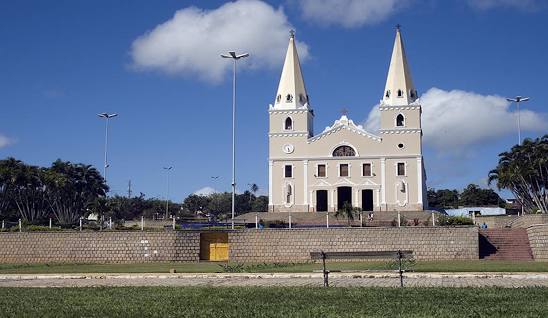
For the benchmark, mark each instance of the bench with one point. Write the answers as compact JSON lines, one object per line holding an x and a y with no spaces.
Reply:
{"x":398,"y":255}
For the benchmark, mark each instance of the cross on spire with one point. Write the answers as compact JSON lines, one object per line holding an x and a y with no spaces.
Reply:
{"x":398,"y":26}
{"x":292,"y":33}
{"x":344,"y":111}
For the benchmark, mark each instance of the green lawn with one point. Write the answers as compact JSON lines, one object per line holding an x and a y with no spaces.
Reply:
{"x":272,"y":302}
{"x":207,"y":267}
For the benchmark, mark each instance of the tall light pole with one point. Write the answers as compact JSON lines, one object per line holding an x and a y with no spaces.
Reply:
{"x":106,"y":116}
{"x":167,"y":169}
{"x":518,"y":100}
{"x":235,"y":57}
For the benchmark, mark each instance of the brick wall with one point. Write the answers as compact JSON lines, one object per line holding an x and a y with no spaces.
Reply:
{"x":529,"y":219}
{"x":495,"y":221}
{"x":99,"y":247}
{"x":295,"y":245}
{"x":538,"y":239}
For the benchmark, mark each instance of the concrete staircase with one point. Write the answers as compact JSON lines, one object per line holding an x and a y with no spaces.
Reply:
{"x":504,"y":244}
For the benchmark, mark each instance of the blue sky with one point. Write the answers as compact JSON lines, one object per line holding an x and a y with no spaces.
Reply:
{"x":63,"y":62}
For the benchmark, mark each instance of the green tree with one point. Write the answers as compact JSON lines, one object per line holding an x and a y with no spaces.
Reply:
{"x":473,"y":195}
{"x":260,"y":204}
{"x":443,"y":198}
{"x":195,"y":203}
{"x":347,"y":211}
{"x":71,"y":189}
{"x":220,"y":205}
{"x":24,"y":189}
{"x":524,"y":171}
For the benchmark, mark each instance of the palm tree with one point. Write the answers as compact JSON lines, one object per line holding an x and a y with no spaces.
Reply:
{"x":524,"y":171}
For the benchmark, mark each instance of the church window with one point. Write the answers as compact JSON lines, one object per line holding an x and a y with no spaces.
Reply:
{"x":288,"y":123}
{"x":343,"y":170}
{"x":366,"y":170}
{"x":401,"y":169}
{"x":400,"y":120}
{"x":322,"y":171}
{"x":288,"y":171}
{"x":344,"y":151}
{"x":387,"y":95}
{"x":278,"y":99}
{"x":413,"y":93}
{"x":400,"y":146}
{"x":301,"y":99}
{"x":289,"y":98}
{"x":288,"y":194}
{"x":400,"y":93}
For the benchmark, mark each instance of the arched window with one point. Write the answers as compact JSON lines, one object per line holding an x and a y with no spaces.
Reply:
{"x":289,"y":98}
{"x":302,"y":100}
{"x":344,"y":151}
{"x":288,"y":124}
{"x":387,"y":95}
{"x":278,"y":98}
{"x":400,"y":120}
{"x":289,"y":194}
{"x":400,"y":93}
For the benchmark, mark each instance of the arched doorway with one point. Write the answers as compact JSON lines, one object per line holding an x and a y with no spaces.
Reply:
{"x":344,"y":195}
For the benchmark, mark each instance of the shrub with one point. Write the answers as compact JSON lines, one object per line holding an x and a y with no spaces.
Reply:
{"x":40,"y":228}
{"x":454,"y":220}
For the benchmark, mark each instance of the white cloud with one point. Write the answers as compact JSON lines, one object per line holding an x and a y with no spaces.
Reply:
{"x":205,"y":191}
{"x":516,"y":4}
{"x":349,"y":13}
{"x":452,"y":120}
{"x":191,"y":42}
{"x":5,"y":141}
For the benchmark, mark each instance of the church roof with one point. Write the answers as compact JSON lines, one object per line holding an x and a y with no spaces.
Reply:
{"x":291,"y":90}
{"x":399,"y":89}
{"x":345,"y":123}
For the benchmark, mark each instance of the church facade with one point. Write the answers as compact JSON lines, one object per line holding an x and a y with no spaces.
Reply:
{"x":345,"y":164}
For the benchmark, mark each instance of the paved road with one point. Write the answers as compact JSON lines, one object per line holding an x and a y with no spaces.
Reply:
{"x":306,"y":279}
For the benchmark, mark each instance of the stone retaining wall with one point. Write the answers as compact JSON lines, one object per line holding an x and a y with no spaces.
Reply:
{"x":538,"y":240}
{"x":530,"y":219}
{"x":99,"y":247}
{"x":495,"y":221}
{"x":295,"y":245}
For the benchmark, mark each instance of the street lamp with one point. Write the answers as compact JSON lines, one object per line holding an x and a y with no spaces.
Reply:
{"x":518,"y":100}
{"x":167,"y":169}
{"x":232,"y":55}
{"x":106,"y":116}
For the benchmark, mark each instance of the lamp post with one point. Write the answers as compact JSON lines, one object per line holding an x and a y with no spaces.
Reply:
{"x":235,"y":57}
{"x":518,"y":100}
{"x":167,"y":169}
{"x":106,"y":116}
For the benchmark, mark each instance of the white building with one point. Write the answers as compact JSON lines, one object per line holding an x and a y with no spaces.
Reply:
{"x":344,"y":163}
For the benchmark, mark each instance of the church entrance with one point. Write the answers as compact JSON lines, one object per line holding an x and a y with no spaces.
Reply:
{"x":321,"y":201}
{"x":367,"y":200}
{"x":344,"y":194}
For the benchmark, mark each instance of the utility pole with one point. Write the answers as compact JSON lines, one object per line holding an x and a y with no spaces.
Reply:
{"x":129,"y":189}
{"x":232,"y":55}
{"x":167,"y":169}
{"x":106,"y":116}
{"x":518,"y":100}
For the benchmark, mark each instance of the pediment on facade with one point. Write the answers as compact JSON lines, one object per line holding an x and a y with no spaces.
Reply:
{"x":322,"y":183}
{"x":370,"y":183}
{"x":343,"y":182}
{"x":345,"y":124}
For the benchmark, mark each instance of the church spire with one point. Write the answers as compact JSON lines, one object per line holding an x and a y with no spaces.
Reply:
{"x":291,"y":90}
{"x":399,"y":88}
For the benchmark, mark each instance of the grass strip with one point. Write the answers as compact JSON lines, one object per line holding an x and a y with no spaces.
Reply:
{"x":273,"y":302}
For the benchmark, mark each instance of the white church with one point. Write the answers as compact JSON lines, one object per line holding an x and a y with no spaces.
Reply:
{"x":381,"y":171}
